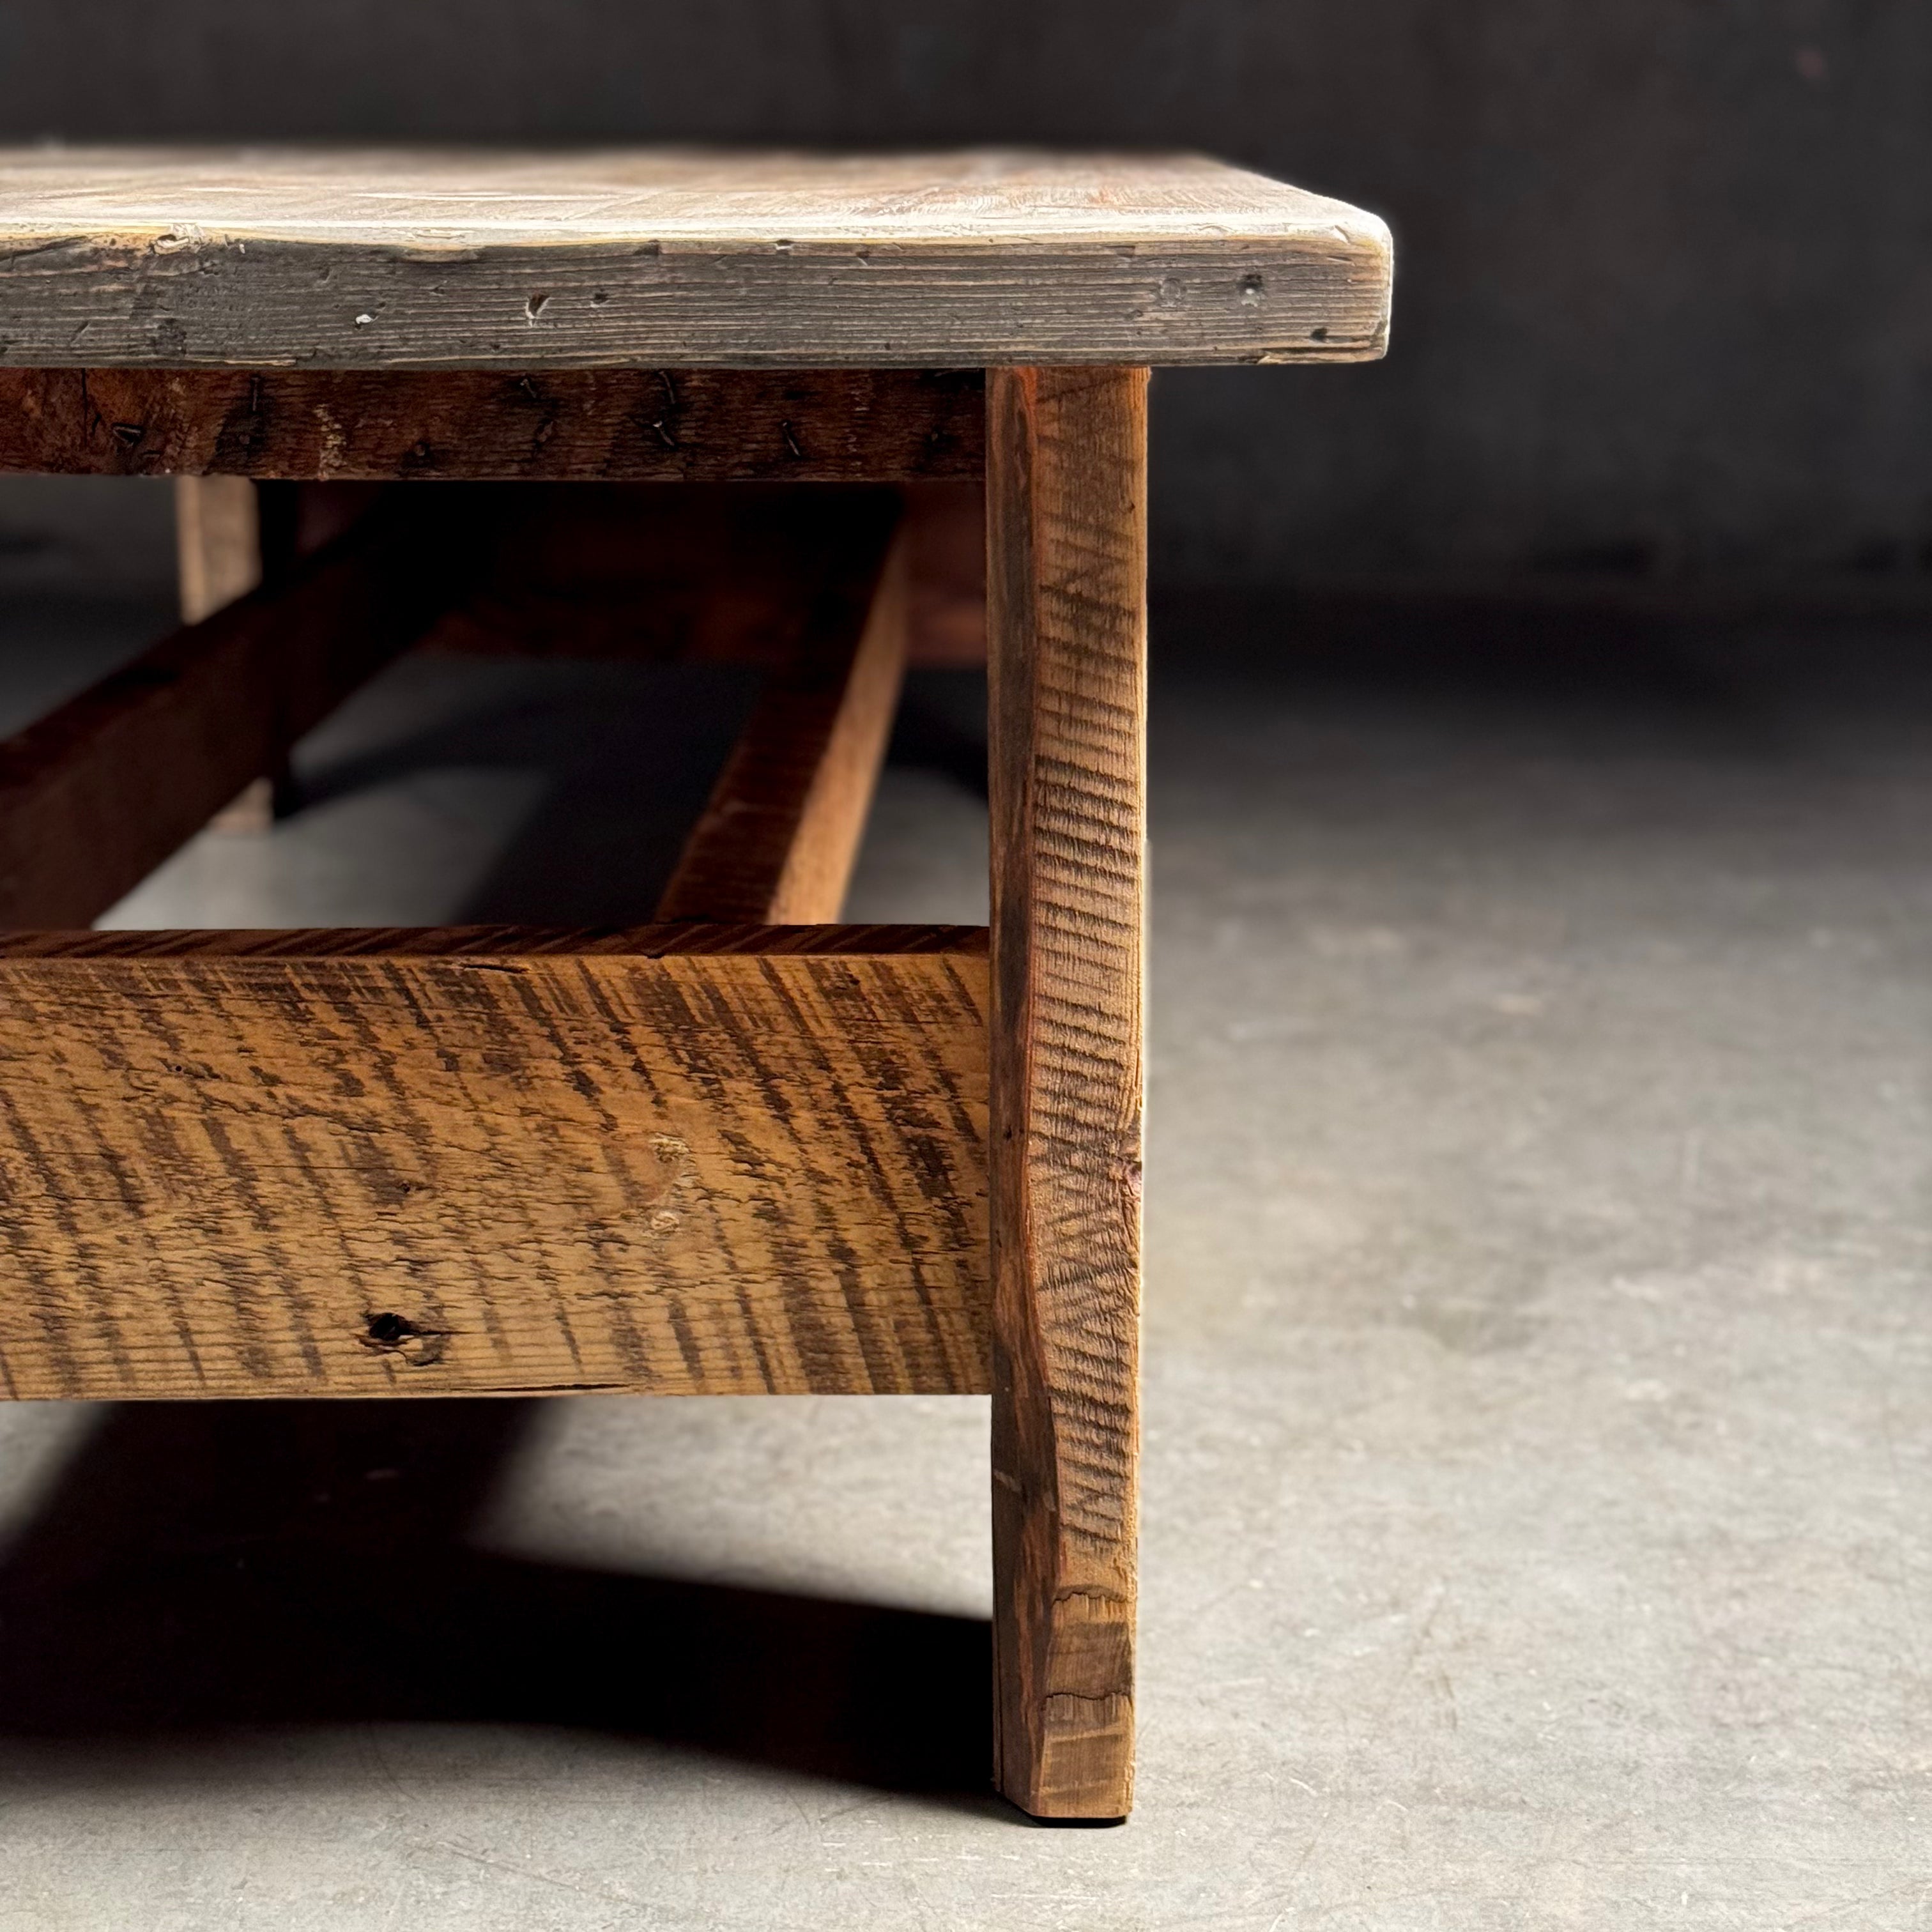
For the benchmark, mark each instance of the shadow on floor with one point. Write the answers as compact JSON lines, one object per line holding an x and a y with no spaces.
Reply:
{"x":1715,"y":671}
{"x":201,"y":1566}
{"x":628,"y":754}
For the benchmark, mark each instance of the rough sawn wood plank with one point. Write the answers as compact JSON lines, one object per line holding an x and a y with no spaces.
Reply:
{"x":1067,"y":509}
{"x":217,"y":529}
{"x":380,"y":1164}
{"x":559,"y":426}
{"x":342,"y":259}
{"x":780,"y":833}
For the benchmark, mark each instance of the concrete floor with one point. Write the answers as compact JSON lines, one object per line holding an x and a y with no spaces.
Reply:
{"x":1539,"y":1393}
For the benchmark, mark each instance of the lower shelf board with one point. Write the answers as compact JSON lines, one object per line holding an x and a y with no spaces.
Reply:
{"x":236,"y":1165}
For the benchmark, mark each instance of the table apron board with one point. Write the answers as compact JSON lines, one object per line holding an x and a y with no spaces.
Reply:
{"x":672,"y":424}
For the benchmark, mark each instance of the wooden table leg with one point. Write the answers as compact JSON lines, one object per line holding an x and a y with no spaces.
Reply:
{"x":229,"y":533}
{"x":1066,"y":463}
{"x":218,"y":542}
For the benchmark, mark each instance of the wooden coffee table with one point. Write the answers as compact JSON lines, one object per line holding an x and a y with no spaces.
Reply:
{"x":744,"y":1149}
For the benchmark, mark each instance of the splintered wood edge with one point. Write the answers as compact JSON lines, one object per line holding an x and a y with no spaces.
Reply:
{"x":658,"y":1162}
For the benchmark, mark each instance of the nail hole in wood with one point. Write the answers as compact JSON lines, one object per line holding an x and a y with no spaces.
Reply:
{"x":390,"y":1334}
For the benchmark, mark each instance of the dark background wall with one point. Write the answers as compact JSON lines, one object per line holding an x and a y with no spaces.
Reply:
{"x":1664,"y":299}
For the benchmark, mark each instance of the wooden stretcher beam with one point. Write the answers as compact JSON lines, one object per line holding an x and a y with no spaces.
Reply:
{"x":609,"y":425}
{"x":96,"y":794}
{"x":778,"y":838}
{"x":683,"y":1160}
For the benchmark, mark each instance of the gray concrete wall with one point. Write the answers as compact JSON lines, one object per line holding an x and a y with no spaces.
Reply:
{"x":1665,"y":298}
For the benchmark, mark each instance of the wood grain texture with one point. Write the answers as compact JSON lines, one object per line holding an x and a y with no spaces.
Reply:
{"x":1067,"y":630}
{"x":781,"y":833}
{"x":221,"y":555}
{"x":569,"y":426}
{"x":94,"y":796}
{"x":217,"y":537}
{"x":347,"y":259}
{"x":378,"y":1164}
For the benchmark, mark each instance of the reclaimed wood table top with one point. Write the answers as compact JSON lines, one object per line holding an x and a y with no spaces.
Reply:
{"x":426,"y":259}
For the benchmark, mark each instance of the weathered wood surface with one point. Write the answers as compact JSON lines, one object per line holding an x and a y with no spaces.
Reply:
{"x":217,"y":529}
{"x":94,"y":796}
{"x":564,"y":426}
{"x":345,"y":259}
{"x":779,"y":837}
{"x":331,"y":1164}
{"x":223,"y":549}
{"x":1066,"y":622}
